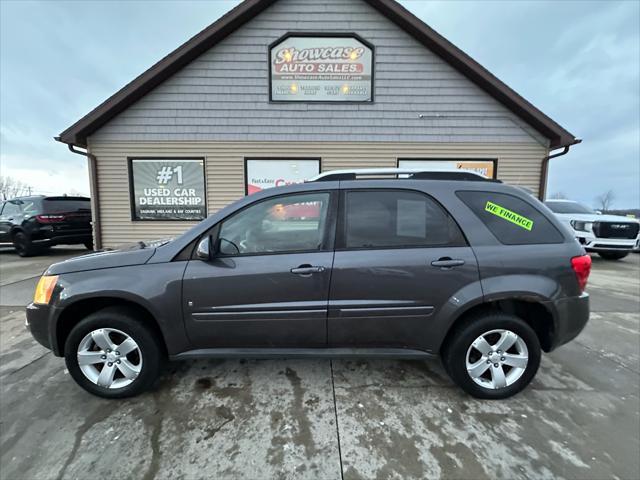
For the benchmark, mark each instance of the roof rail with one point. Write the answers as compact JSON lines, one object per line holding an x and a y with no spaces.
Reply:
{"x":412,"y":173}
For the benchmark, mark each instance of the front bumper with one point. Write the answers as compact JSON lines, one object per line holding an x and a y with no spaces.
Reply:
{"x":38,"y":323}
{"x":591,"y":243}
{"x":572,"y":315}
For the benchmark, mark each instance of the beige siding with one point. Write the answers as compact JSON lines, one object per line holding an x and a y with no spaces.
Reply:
{"x":518,"y":164}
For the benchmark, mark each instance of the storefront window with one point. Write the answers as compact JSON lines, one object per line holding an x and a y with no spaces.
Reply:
{"x":167,"y":189}
{"x":268,"y":173}
{"x":488,"y":168}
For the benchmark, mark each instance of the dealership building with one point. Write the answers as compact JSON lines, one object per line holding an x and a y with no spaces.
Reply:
{"x":277,"y":91}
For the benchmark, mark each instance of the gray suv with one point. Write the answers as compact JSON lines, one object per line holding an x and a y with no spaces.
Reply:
{"x":377,"y":263}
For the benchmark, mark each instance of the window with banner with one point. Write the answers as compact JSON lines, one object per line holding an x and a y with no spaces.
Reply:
{"x":167,"y":189}
{"x":261,"y":173}
{"x":321,"y":68}
{"x":488,"y":168}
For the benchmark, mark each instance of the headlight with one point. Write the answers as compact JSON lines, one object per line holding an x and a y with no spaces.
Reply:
{"x":44,"y":289}
{"x":581,"y":226}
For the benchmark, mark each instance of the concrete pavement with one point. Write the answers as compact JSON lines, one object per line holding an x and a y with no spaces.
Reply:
{"x":580,"y":418}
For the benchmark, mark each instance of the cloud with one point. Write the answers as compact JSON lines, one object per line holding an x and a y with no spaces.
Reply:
{"x":578,"y":61}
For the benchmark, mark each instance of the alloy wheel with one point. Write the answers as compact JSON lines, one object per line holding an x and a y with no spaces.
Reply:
{"x":109,"y":358}
{"x":497,"y":359}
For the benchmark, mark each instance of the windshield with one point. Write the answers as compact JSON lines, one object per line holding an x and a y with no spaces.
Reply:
{"x":568,"y":207}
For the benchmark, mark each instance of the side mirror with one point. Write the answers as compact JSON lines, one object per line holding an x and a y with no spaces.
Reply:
{"x":203,"y":252}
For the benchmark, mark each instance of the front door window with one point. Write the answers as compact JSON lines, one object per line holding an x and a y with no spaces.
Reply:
{"x":292,"y":223}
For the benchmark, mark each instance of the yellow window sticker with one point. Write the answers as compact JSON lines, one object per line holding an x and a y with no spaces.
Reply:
{"x":510,"y":216}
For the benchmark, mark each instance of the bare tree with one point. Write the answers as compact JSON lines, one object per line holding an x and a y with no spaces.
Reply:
{"x":604,"y":202}
{"x":558,"y":196}
{"x":10,"y":188}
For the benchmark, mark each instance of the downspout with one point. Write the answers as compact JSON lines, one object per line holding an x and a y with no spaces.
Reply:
{"x":545,"y":168}
{"x":93,"y":178}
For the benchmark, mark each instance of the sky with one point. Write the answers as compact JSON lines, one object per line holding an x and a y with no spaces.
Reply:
{"x":579,"y":62}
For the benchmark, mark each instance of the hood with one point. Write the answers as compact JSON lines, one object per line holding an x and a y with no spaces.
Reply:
{"x":136,"y":254}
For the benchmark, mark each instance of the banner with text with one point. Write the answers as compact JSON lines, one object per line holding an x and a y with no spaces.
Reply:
{"x":321,"y":69}
{"x":168,"y":189}
{"x":263,"y":174}
{"x":483,"y":167}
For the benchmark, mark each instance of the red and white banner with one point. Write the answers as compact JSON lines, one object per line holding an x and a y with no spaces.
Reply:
{"x":263,"y":174}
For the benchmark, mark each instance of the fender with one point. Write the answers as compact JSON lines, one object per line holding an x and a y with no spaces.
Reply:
{"x":527,"y":287}
{"x":531,"y":288}
{"x":162,"y":297}
{"x":460,"y":302}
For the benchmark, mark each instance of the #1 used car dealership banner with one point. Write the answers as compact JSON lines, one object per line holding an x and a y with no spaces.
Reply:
{"x":168,"y":189}
{"x":263,"y":174}
{"x":321,"y":69}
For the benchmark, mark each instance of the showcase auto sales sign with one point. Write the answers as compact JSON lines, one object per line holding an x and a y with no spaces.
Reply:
{"x":321,"y":69}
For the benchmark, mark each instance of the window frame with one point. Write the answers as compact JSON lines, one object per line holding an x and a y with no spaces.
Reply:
{"x":328,"y":237}
{"x":341,"y":238}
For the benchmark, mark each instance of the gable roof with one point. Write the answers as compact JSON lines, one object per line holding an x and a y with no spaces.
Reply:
{"x":77,"y":133}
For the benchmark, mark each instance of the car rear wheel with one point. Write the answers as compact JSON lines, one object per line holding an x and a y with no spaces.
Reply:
{"x":23,"y":245}
{"x":613,"y":255}
{"x":493,"y":355}
{"x":112,"y":354}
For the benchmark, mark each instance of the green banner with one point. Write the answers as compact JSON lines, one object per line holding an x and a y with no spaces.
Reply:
{"x":508,"y":215}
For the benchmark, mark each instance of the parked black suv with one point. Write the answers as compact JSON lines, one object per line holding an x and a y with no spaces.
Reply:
{"x":436,"y":264}
{"x":31,"y":224}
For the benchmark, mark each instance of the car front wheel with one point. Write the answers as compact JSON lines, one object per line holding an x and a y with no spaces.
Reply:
{"x":112,"y":354}
{"x":493,"y":355}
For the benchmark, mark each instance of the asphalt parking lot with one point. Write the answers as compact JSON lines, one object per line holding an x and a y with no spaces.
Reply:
{"x":252,"y":419}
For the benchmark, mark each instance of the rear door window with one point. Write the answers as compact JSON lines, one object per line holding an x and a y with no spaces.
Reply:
{"x":396,"y":218}
{"x":512,"y":220}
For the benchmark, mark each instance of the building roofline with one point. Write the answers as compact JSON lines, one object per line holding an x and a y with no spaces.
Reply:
{"x":77,"y":133}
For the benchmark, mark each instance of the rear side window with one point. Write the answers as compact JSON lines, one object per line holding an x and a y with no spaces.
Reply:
{"x":10,"y":208}
{"x":396,"y":218}
{"x":63,"y":205}
{"x":512,"y":220}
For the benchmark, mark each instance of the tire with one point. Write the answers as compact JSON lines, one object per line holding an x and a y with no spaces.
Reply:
{"x":613,"y":255}
{"x":492,"y":326}
{"x":143,"y":364}
{"x":89,"y":245}
{"x":23,"y":245}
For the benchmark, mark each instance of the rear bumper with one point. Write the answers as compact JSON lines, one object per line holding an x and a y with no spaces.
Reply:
{"x":572,"y":315}
{"x":62,"y":239}
{"x":38,"y":323}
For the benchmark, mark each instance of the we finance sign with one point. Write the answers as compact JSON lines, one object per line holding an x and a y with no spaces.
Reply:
{"x":321,"y":69}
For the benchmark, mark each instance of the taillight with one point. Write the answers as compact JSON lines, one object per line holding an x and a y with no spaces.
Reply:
{"x":49,"y":218}
{"x":582,"y":266}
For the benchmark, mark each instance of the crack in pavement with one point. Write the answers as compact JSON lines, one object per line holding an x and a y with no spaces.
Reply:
{"x":26,"y":365}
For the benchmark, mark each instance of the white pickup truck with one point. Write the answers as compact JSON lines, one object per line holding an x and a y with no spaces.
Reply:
{"x":611,"y":236}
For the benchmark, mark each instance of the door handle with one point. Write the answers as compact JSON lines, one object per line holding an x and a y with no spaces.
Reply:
{"x":307,"y":270}
{"x":446,"y":263}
